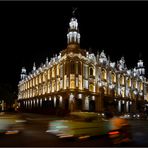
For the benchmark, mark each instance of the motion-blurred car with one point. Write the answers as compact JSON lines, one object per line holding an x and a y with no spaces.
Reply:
{"x":11,"y":124}
{"x":79,"y":125}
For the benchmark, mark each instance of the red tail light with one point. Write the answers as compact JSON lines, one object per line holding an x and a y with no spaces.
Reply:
{"x":113,"y":132}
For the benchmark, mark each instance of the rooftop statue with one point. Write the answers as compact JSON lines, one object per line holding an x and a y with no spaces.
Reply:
{"x":121,"y":64}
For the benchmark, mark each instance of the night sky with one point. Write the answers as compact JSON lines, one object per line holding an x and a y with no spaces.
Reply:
{"x":32,"y":31}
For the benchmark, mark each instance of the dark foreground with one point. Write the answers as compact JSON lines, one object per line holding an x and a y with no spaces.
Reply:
{"x":34,"y":135}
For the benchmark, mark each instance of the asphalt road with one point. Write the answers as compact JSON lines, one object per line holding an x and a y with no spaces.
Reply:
{"x":34,"y":135}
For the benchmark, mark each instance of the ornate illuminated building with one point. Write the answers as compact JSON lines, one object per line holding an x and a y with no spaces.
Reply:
{"x":78,"y":80}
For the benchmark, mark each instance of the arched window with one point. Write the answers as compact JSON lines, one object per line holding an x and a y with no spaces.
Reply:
{"x":103,"y":74}
{"x":91,"y":87}
{"x":53,"y":85}
{"x":135,"y":84}
{"x":72,"y":84}
{"x":122,"y":80}
{"x":123,"y":93}
{"x":129,"y":82}
{"x":141,"y":86}
{"x":36,"y":80}
{"x":40,"y":78}
{"x":113,"y":77}
{"x":44,"y":77}
{"x":91,"y":71}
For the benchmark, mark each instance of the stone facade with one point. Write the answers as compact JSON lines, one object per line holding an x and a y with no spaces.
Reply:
{"x":78,"y":80}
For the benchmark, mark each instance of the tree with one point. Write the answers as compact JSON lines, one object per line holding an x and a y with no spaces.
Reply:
{"x":7,"y":94}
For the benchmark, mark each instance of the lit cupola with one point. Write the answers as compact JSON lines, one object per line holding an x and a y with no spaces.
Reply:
{"x":140,"y":68}
{"x":73,"y":36}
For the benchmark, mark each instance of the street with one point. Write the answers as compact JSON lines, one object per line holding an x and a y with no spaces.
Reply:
{"x":34,"y":135}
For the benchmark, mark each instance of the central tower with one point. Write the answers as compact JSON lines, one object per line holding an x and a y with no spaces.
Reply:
{"x":73,"y":35}
{"x":73,"y":39}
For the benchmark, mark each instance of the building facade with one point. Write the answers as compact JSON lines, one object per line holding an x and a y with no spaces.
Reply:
{"x":78,"y":80}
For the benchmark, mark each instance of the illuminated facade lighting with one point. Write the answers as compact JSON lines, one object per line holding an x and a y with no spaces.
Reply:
{"x":77,"y":80}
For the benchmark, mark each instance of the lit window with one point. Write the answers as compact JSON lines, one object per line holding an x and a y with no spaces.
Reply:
{"x":53,"y":72}
{"x":113,"y":77}
{"x":141,"y":86}
{"x":44,"y":77}
{"x":40,"y":78}
{"x":103,"y":74}
{"x":76,"y":68}
{"x":91,"y":87}
{"x":129,"y":82}
{"x":58,"y":84}
{"x":72,"y":81}
{"x":135,"y":84}
{"x":57,"y":70}
{"x":80,"y":82}
{"x":36,"y":80}
{"x":122,"y":80}
{"x":48,"y":74}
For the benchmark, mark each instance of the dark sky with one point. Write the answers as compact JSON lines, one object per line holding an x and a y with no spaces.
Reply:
{"x":32,"y":31}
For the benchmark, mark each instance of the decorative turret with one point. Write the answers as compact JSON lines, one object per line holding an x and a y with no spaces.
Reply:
{"x":121,"y":64}
{"x":103,"y":58}
{"x":23,"y":73}
{"x":73,"y":36}
{"x":140,"y":68}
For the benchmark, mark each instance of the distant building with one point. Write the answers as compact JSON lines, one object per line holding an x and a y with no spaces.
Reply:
{"x":78,"y":80}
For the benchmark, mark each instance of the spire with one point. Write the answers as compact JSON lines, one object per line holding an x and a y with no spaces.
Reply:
{"x":140,"y":67}
{"x":46,"y":60}
{"x":34,"y":67}
{"x":74,"y":11}
{"x":73,"y":36}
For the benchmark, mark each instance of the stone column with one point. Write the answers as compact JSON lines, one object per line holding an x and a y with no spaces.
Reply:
{"x":127,"y":106}
{"x":54,"y":101}
{"x":86,"y":103}
{"x":119,"y":105}
{"x":71,"y":102}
